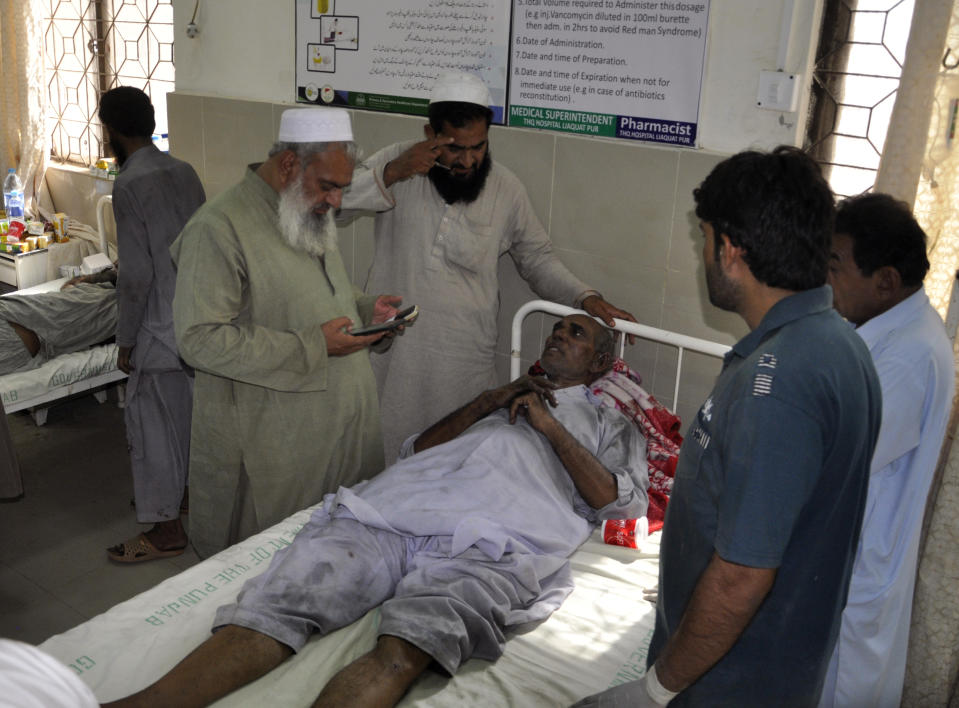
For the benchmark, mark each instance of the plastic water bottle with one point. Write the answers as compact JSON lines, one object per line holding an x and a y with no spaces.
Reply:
{"x":13,"y":195}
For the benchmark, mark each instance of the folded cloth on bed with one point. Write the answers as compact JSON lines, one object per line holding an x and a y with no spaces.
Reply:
{"x":620,"y":388}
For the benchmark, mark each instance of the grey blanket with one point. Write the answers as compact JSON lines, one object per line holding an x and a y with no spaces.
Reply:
{"x":64,"y":320}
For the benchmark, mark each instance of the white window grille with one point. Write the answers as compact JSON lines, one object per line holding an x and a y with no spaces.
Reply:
{"x":92,"y":46}
{"x":858,"y":66}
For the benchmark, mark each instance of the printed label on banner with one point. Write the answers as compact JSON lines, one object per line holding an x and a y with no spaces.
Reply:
{"x":383,"y":102}
{"x":582,"y":122}
{"x":604,"y":125}
{"x":674,"y":132}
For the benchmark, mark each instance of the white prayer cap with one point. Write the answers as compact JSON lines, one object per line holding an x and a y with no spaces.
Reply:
{"x":315,"y":125}
{"x":457,"y":86}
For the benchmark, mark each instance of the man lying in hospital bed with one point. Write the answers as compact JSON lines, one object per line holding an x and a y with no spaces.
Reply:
{"x":467,"y":534}
{"x":37,"y":327}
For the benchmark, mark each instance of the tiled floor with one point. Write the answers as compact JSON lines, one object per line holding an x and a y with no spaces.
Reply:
{"x":54,"y":571}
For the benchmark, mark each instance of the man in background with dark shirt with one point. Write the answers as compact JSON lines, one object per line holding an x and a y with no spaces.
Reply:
{"x":153,"y":197}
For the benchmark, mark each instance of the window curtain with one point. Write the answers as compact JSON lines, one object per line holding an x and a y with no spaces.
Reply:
{"x":920,"y":164}
{"x":24,"y":141}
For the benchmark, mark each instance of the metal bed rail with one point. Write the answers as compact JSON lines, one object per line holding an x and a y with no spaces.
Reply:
{"x":682,"y":342}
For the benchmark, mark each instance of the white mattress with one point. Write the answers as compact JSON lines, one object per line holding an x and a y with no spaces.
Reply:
{"x":46,"y":287}
{"x":22,"y":388}
{"x":598,"y":638}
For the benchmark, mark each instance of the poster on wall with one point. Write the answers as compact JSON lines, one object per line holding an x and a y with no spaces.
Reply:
{"x":609,"y":68}
{"x":385,"y":55}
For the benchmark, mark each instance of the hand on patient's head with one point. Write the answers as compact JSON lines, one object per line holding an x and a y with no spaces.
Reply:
{"x":598,"y":307}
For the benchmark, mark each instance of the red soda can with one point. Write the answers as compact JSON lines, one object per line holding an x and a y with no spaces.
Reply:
{"x":629,"y":533}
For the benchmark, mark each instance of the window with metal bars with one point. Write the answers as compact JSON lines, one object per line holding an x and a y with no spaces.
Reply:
{"x":92,"y":46}
{"x":856,"y":78}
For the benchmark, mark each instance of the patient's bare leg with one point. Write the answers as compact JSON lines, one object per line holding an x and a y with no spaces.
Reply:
{"x":231,"y":658}
{"x":379,"y":678}
{"x":30,"y":339}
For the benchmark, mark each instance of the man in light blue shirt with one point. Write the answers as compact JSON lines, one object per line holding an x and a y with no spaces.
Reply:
{"x":877,"y":266}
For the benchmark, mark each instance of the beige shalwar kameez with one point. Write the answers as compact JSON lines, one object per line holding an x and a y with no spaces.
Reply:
{"x":276,"y":423}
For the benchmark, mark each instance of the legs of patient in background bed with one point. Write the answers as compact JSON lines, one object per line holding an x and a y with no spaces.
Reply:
{"x":30,"y":339}
{"x":378,"y":678}
{"x":230,"y":659}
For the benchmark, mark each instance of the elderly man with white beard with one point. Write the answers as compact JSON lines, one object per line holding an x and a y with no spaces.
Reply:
{"x":285,"y":406}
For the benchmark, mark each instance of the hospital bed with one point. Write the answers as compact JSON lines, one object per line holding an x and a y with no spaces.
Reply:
{"x":92,"y":369}
{"x":598,"y":638}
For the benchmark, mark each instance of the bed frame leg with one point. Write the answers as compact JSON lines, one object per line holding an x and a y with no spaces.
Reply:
{"x":101,"y":396}
{"x":39,"y":415}
{"x":121,"y":395}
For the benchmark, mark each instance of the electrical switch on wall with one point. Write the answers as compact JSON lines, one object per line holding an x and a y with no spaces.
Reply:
{"x":778,"y":91}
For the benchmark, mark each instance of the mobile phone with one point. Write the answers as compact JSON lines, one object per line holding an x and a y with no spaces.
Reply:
{"x":404,"y":317}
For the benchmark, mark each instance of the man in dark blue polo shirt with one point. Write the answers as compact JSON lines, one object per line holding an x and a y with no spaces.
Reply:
{"x":764,"y":518}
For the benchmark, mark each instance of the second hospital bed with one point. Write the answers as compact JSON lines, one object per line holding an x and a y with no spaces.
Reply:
{"x":91,"y":369}
{"x":598,"y":638}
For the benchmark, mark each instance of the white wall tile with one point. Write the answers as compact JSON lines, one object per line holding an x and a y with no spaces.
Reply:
{"x":184,"y":114}
{"x":711,"y":323}
{"x":614,"y":200}
{"x":373,"y":130}
{"x":235,"y":134}
{"x":513,"y":293}
{"x":529,"y":154}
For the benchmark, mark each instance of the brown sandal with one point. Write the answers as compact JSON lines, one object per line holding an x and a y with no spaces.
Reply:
{"x":139,"y":549}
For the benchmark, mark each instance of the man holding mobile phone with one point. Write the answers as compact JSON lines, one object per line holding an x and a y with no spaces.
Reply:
{"x":285,"y":406}
{"x":390,"y":326}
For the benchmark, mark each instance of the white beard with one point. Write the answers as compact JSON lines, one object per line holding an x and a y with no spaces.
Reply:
{"x":302,"y":229}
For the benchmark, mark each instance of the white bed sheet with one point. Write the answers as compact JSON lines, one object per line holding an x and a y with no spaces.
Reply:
{"x":598,"y":638}
{"x":63,"y":375}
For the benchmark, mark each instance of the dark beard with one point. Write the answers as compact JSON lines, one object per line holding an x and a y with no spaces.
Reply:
{"x":461,"y":189}
{"x":723,"y":292}
{"x":119,"y":153}
{"x":113,"y":146}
